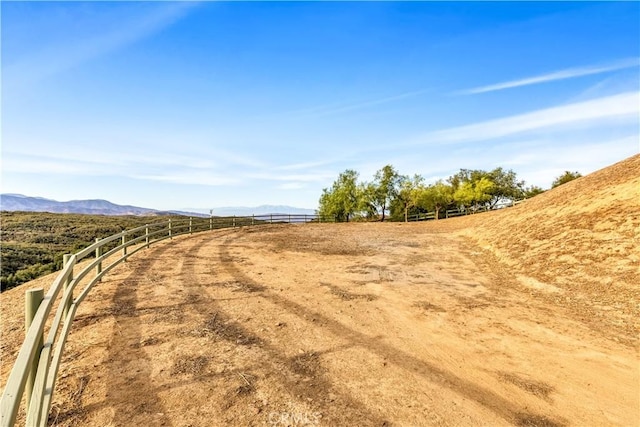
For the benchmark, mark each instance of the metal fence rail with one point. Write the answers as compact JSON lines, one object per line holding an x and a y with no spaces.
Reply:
{"x":38,"y":360}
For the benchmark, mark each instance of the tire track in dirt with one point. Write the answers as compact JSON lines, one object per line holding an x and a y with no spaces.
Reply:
{"x":124,"y":347}
{"x":504,"y":408}
{"x":315,"y":389}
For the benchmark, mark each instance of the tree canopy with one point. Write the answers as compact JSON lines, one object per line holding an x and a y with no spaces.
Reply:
{"x":397,"y":196}
{"x":564,"y":178}
{"x":437,"y":197}
{"x":386,"y":188}
{"x":341,"y":201}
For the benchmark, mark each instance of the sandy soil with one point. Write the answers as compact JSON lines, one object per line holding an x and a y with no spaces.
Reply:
{"x":451,"y":322}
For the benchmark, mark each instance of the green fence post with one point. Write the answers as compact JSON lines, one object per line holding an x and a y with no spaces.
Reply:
{"x":65,"y":260}
{"x":32,"y":300}
{"x":98,"y":255}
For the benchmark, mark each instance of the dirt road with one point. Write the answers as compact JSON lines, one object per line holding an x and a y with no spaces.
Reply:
{"x":347,"y":324}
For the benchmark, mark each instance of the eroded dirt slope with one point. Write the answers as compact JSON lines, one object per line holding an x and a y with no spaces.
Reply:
{"x":578,"y":245}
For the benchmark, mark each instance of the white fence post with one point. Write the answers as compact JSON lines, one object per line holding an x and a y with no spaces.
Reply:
{"x":190,"y":225}
{"x":146,"y":233}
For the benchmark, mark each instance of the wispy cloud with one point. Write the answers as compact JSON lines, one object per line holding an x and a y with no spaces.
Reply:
{"x":306,"y":177}
{"x":556,"y":75}
{"x":624,"y":107}
{"x":159,"y":168}
{"x":337,"y":108}
{"x":371,"y":103}
{"x":291,"y":186}
{"x":135,"y":158}
{"x":54,"y":59}
{"x":190,"y":177}
{"x":42,"y":165}
{"x":304,"y":165}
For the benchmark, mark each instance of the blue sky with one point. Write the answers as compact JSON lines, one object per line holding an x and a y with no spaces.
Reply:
{"x":199,"y":105}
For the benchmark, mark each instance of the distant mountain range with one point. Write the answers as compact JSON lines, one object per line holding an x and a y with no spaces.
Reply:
{"x":258,"y":210}
{"x":19,"y":202}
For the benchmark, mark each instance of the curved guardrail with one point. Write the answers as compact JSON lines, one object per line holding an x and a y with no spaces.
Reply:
{"x":38,"y":360}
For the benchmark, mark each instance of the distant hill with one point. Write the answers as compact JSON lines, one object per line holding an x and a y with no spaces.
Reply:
{"x":258,"y":210}
{"x":19,"y":202}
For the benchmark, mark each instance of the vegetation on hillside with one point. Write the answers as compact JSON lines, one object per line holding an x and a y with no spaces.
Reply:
{"x":401,"y":196}
{"x":33,"y":243}
{"x":565,"y":177}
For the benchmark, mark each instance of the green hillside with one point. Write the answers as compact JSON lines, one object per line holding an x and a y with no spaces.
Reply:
{"x":33,"y":243}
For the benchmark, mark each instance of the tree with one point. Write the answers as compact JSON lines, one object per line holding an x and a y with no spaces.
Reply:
{"x":386,"y":187}
{"x":409,"y":194}
{"x":506,"y":186}
{"x":505,"y":183}
{"x":341,"y":200}
{"x":436,"y":197}
{"x":465,"y":175}
{"x":473,"y":193}
{"x":564,"y":178}
{"x":531,"y":191}
{"x":366,"y":200}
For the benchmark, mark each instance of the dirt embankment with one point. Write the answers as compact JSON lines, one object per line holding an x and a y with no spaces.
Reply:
{"x":577,"y":245}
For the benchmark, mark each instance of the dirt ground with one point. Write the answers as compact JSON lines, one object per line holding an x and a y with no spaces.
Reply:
{"x":447,"y":323}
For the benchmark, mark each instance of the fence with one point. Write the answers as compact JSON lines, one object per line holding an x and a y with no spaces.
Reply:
{"x":451,"y":213}
{"x":36,"y":366}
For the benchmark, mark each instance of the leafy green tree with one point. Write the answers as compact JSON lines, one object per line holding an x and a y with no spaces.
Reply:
{"x":506,"y":186}
{"x":531,"y":191}
{"x":564,"y":178}
{"x":387,"y":185}
{"x":341,"y":200}
{"x":473,"y":193}
{"x":367,"y":200}
{"x":408,"y":197}
{"x":465,"y":175}
{"x":436,"y":197}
